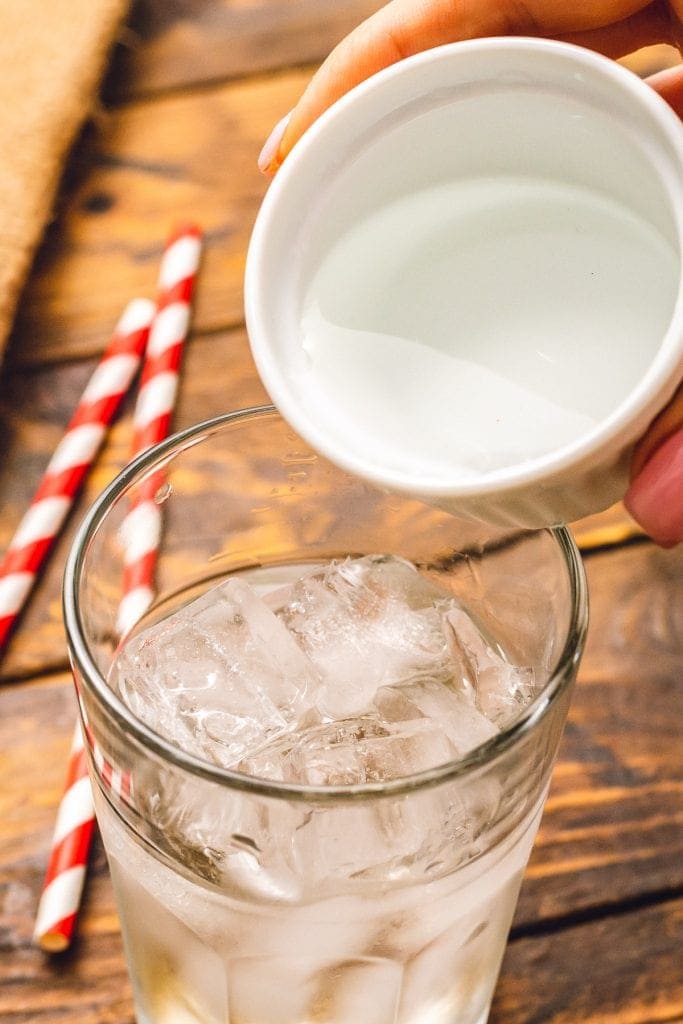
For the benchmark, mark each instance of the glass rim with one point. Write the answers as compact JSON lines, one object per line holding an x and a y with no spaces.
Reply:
{"x":481,"y":756}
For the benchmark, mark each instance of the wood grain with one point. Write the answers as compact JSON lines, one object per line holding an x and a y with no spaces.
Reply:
{"x":193,"y":42}
{"x":619,"y":968}
{"x":187,"y":43}
{"x":606,"y":529}
{"x":619,"y":779}
{"x":218,"y":375}
{"x":599,"y":923}
{"x":612,"y":827}
{"x":151,"y":164}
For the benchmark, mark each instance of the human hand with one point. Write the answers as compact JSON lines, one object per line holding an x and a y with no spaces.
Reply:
{"x":612,"y":27}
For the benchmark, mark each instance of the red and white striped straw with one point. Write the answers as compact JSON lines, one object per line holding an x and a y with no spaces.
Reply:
{"x":63,"y":477}
{"x":61,"y":897}
{"x":141,"y":529}
{"x":72,"y":459}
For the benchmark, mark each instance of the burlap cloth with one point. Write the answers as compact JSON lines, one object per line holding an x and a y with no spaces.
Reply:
{"x":52,"y":53}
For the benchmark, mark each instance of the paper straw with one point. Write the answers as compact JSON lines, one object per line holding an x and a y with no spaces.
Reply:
{"x":61,"y":897}
{"x":72,"y":459}
{"x":141,"y":529}
{"x":111,"y":380}
{"x":141,"y":532}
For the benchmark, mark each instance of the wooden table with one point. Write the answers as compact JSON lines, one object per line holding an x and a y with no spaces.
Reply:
{"x":194,"y":89}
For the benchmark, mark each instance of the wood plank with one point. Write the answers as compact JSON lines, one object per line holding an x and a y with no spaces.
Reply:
{"x":192,"y":42}
{"x":610,"y":826}
{"x":636,"y":616}
{"x":218,"y":375}
{"x":151,"y":164}
{"x":612,"y":797}
{"x":622,"y":968}
{"x":148,"y":164}
{"x":195,"y":42}
{"x":611,"y":831}
{"x":606,"y":529}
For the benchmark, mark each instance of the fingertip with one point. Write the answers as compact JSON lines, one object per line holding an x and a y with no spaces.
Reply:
{"x":669,"y":85}
{"x":270,"y":157}
{"x":655,"y":497}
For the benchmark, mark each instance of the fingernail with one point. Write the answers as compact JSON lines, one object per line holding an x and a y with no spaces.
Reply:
{"x":267,"y":160}
{"x":655,"y":498}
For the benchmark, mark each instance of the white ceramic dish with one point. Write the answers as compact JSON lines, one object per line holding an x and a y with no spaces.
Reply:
{"x":411,"y":125}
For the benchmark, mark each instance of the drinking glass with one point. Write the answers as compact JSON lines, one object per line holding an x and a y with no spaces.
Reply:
{"x":264,"y":902}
